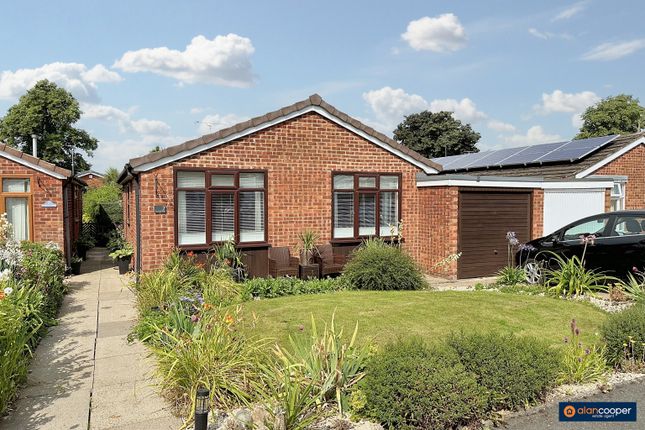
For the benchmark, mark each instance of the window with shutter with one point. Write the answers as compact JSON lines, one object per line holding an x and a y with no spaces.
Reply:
{"x":365,"y":204}
{"x":230,"y":207}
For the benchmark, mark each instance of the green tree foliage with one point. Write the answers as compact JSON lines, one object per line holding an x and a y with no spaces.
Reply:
{"x":105,"y":198}
{"x":50,"y":112}
{"x":436,"y":134}
{"x":619,"y":114}
{"x":111,"y":175}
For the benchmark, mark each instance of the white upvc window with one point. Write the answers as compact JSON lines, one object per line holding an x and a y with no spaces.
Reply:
{"x":618,"y":196}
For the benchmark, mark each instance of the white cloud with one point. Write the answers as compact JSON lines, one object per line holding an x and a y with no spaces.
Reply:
{"x":500,"y":126}
{"x":443,"y":33}
{"x":533,"y":136}
{"x":537,"y":33}
{"x":124,"y":120}
{"x":464,"y":109}
{"x":115,"y":153}
{"x":225,"y":60}
{"x":196,"y":110}
{"x":215,"y":122}
{"x":390,"y":105}
{"x":560,"y":102}
{"x":570,"y":11}
{"x":74,"y":77}
{"x":614,"y":50}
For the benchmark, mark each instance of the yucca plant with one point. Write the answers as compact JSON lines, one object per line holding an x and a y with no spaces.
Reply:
{"x":307,"y":245}
{"x":634,"y":288}
{"x":571,"y":278}
{"x":332,"y":364}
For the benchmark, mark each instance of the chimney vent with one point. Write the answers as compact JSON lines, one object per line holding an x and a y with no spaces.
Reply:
{"x":34,"y":145}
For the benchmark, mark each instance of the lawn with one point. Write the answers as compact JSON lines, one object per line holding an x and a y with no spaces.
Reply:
{"x":384,"y":316}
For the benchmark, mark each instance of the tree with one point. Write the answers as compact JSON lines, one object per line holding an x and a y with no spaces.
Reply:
{"x":436,"y":134}
{"x":111,"y":175}
{"x":614,"y":115}
{"x":49,"y":112}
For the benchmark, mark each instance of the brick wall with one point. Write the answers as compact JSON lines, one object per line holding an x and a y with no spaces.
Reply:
{"x":438,"y":232}
{"x":632,"y":165}
{"x":537,"y":217}
{"x":48,"y":224}
{"x":299,"y":156}
{"x":93,"y":181}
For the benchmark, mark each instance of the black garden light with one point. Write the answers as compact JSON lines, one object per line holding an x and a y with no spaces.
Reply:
{"x":201,"y":409}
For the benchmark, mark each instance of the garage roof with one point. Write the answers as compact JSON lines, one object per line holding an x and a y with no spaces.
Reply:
{"x":559,"y":169}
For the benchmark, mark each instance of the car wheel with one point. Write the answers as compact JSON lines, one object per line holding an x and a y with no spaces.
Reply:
{"x":534,"y":272}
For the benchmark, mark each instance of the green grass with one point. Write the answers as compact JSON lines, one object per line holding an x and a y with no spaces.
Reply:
{"x":386,"y":315}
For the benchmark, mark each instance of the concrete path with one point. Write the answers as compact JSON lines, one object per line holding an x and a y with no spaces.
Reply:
{"x":84,"y":374}
{"x":548,"y":418}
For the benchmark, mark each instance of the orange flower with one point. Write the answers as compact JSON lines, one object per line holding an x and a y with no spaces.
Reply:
{"x":208,"y":306}
{"x":229,"y":319}
{"x":190,"y":254}
{"x":1,"y":294}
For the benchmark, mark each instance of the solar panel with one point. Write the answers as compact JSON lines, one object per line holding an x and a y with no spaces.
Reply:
{"x":576,"y":149}
{"x":531,"y":153}
{"x":462,"y":161}
{"x":495,"y":157}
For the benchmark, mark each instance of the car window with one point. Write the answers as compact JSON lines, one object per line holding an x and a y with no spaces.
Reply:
{"x":629,"y":225}
{"x":594,"y":226}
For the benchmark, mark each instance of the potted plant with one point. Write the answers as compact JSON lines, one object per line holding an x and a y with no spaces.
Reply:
{"x":123,"y":256}
{"x":307,"y":248}
{"x":83,"y":244}
{"x":76,"y":265}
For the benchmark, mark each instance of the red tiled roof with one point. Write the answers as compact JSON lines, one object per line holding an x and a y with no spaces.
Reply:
{"x":44,"y":165}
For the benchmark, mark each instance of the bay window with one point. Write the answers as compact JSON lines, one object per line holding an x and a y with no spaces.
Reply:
{"x":216,"y":206}
{"x":365,"y":204}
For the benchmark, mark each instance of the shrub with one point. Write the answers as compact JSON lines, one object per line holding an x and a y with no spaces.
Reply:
{"x":376,"y":265}
{"x":157,"y":290}
{"x":107,"y":197}
{"x":409,"y":385}
{"x":267,"y":288}
{"x":514,"y":370}
{"x":624,"y":336}
{"x":43,"y":268}
{"x":218,"y":287}
{"x":510,"y":276}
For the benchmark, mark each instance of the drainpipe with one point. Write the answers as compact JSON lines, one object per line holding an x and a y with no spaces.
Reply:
{"x":137,"y":208}
{"x":34,"y":145}
{"x":66,"y":223}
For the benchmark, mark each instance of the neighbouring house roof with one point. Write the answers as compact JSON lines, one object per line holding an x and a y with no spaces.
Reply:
{"x":89,"y":172}
{"x":564,"y":169}
{"x":32,"y":162}
{"x":312,"y":104}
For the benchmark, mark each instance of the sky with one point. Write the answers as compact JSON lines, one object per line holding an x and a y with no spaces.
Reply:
{"x":150,"y":73}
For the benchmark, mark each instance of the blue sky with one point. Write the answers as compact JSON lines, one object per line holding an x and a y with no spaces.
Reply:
{"x":159,"y":72}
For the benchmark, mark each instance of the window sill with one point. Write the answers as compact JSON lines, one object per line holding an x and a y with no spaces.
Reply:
{"x":361,"y":239}
{"x":248,"y":245}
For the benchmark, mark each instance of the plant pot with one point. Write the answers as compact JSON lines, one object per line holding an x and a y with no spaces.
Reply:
{"x":81,"y":251}
{"x":76,"y":268}
{"x":124,"y":265}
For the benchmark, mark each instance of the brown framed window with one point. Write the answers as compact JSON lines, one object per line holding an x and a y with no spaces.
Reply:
{"x":218,"y":205}
{"x":365,"y":204}
{"x":16,"y":202}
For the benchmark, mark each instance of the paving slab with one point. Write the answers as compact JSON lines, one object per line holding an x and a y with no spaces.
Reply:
{"x":85,"y":374}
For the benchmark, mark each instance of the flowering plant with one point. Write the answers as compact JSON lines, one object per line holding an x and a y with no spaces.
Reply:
{"x":581,"y":364}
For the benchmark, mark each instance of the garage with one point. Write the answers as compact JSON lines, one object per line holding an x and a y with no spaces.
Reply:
{"x":565,"y":205}
{"x":485,"y":216}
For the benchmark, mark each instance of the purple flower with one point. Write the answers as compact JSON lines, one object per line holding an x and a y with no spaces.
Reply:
{"x":527,"y":247}
{"x":194,"y":318}
{"x":588,"y":239}
{"x":587,"y":351}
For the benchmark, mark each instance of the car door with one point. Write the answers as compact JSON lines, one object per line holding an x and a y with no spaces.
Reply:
{"x":571,"y":242}
{"x":624,"y":246}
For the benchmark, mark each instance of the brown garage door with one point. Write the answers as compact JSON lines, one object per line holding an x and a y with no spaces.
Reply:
{"x":484,"y":219}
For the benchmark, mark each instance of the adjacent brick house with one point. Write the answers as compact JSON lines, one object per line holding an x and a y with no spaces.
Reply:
{"x":43,"y":202}
{"x":309,"y":166}
{"x":91,"y":178}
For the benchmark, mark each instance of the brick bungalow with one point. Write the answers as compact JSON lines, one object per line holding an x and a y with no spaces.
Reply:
{"x":91,"y":178}
{"x":310,"y":166}
{"x":43,"y":202}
